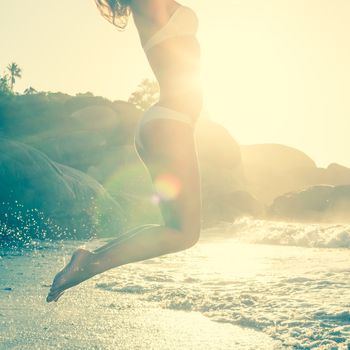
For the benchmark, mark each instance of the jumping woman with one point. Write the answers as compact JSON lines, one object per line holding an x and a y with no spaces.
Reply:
{"x":164,"y":140}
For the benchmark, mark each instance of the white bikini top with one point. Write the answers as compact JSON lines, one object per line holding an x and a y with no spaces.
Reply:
{"x":183,"y":21}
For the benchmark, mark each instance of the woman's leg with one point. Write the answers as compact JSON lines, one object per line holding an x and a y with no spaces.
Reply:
{"x":123,"y":236}
{"x":170,"y":152}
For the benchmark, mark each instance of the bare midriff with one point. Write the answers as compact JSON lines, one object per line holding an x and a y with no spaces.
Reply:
{"x":176,"y":65}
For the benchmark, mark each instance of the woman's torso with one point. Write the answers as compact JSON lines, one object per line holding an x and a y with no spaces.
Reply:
{"x":175,"y":63}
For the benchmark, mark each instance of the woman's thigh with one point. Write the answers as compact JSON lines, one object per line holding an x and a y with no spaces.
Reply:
{"x":170,"y":155}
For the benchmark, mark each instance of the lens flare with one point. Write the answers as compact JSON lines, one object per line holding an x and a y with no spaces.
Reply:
{"x":167,"y":186}
{"x":155,"y":199}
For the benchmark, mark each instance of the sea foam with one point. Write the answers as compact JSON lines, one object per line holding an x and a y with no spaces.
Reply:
{"x":285,"y":233}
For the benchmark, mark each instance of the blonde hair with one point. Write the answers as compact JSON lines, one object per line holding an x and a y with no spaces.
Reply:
{"x":116,"y":12}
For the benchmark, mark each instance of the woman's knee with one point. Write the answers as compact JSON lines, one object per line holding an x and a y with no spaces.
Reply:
{"x":191,"y":236}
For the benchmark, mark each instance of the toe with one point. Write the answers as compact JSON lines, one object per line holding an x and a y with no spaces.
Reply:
{"x":58,"y":296}
{"x":53,"y":296}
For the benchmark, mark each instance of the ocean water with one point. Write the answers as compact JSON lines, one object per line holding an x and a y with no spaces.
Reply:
{"x":289,"y":281}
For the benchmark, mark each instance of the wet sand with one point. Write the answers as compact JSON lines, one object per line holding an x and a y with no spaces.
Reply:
{"x":87,"y":317}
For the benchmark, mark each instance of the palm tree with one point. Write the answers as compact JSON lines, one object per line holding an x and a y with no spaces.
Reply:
{"x":30,"y":91}
{"x":4,"y":86}
{"x":15,"y":72}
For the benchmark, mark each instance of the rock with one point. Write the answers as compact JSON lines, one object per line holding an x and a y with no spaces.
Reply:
{"x":77,"y":149}
{"x":324,"y":203}
{"x":336,"y":174}
{"x":41,"y":198}
{"x":222,"y":172}
{"x":272,"y":170}
{"x":218,"y":148}
{"x":127,"y":110}
{"x":220,"y":159}
{"x":96,"y":117}
{"x":129,"y":116}
{"x":230,"y":206}
{"x":339,"y":204}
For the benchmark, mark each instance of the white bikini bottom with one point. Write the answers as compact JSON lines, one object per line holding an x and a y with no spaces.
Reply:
{"x":160,"y":112}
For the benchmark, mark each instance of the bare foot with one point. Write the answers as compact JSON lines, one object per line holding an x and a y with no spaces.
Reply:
{"x":75,"y":272}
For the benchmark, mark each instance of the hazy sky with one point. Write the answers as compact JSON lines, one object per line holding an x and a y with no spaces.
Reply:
{"x":274,"y":71}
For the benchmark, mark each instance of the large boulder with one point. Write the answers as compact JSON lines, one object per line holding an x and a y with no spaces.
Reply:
{"x":96,"y":117}
{"x":76,"y":131}
{"x":230,"y":206}
{"x":219,"y":157}
{"x":273,"y":169}
{"x":337,"y":174}
{"x":87,"y":133}
{"x":129,"y":116}
{"x":334,"y":174}
{"x":66,"y":202}
{"x":317,"y":203}
{"x":78,"y":148}
{"x":222,"y":172}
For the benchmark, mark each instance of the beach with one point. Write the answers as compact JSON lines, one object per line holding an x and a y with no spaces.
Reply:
{"x":231,"y":291}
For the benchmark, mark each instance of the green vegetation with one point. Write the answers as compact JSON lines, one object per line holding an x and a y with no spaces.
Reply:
{"x":147,"y":93}
{"x":15,"y":72}
{"x":8,"y":80}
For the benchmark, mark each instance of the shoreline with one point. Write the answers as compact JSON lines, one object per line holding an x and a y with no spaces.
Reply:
{"x":88,"y":317}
